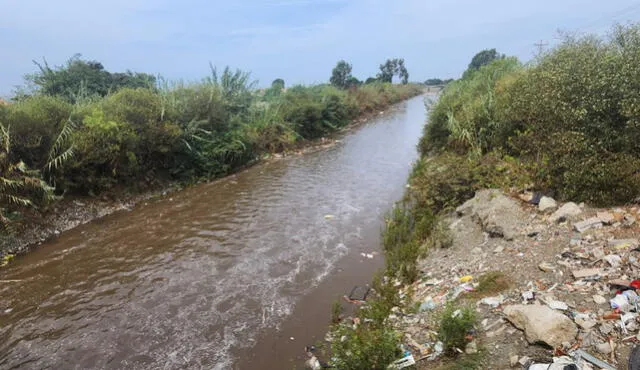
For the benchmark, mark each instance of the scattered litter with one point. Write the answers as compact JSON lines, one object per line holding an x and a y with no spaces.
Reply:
{"x":493,"y":301}
{"x":428,"y":304}
{"x":614,"y":260}
{"x":580,"y":354}
{"x":329,"y":217}
{"x":8,"y":310}
{"x":529,"y":295}
{"x":466,"y":279}
{"x":292,"y":338}
{"x":404,"y":362}
{"x":367,"y":255}
{"x":546,"y":266}
{"x":583,"y":273}
{"x":557,"y":305}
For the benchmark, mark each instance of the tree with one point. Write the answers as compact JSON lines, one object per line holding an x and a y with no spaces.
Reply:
{"x":434,"y":82}
{"x":484,"y":57}
{"x":277,"y":86}
{"x":80,"y":78}
{"x":353,"y":82}
{"x":391,"y":68}
{"x":371,"y":80}
{"x":278,"y":83}
{"x":341,"y":75}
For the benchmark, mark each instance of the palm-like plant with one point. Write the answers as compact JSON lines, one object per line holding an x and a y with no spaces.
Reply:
{"x":21,"y":187}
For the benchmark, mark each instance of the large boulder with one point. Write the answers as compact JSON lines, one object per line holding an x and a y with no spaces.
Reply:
{"x":541,"y":324}
{"x":498,"y":214}
{"x":568,"y":211}
{"x":547,"y":204}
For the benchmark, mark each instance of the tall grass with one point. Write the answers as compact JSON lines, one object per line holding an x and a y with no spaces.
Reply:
{"x":133,"y":138}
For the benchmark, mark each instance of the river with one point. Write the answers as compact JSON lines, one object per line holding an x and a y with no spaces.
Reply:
{"x":238,"y":273}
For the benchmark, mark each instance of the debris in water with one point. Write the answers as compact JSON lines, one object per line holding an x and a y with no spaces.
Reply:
{"x":358,"y":294}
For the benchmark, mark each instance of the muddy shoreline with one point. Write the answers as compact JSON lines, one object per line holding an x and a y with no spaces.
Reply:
{"x":75,"y":211}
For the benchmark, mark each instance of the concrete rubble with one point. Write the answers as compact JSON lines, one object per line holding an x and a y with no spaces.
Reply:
{"x":572,"y":277}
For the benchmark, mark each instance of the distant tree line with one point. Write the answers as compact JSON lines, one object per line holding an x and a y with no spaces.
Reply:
{"x":342,"y":78}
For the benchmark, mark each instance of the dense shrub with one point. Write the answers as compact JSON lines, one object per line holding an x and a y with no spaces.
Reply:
{"x":572,"y":117}
{"x":33,"y":124}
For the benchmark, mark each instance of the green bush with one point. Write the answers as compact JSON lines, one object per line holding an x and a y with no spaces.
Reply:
{"x":33,"y":125}
{"x":365,"y":348}
{"x":572,"y":117}
{"x":455,"y":324}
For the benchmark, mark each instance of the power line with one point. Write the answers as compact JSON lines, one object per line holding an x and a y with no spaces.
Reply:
{"x":540,"y":45}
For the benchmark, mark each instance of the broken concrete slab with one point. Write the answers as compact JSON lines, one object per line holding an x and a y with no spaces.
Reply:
{"x":590,"y":223}
{"x":541,"y":324}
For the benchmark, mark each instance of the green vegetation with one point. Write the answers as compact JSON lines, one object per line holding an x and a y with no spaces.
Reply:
{"x":456,"y":324}
{"x":341,"y":76}
{"x":489,"y":284}
{"x":483,"y":58}
{"x":393,"y":67}
{"x":437,"y":81}
{"x":88,"y":131}
{"x":568,"y":122}
{"x":570,"y":118}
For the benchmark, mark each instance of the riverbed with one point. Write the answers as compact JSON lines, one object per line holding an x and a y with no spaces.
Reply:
{"x":235,"y":274}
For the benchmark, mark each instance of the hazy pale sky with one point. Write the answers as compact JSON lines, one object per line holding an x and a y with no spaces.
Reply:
{"x":298,"y":40}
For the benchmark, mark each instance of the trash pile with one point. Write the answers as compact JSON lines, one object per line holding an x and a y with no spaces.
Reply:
{"x":575,"y":286}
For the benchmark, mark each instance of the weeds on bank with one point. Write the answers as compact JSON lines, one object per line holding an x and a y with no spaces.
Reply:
{"x":489,"y":284}
{"x":457,"y":323}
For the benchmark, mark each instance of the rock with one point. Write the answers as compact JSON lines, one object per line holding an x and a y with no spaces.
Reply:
{"x":471,"y":348}
{"x":547,"y":204}
{"x":606,"y":218}
{"x":629,"y":220}
{"x":599,"y":299}
{"x":546,"y":266}
{"x":582,"y":226}
{"x":541,"y":324}
{"x":567,"y":212}
{"x":497,"y":214}
{"x":513,"y":360}
{"x":498,"y":249}
{"x":586,"y":324}
{"x":476,"y":250}
{"x":604,"y":348}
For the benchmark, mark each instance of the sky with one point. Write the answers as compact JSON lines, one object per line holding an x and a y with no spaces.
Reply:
{"x":297,"y":40}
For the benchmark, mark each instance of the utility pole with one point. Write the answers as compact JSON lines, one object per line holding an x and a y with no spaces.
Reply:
{"x":540,"y":45}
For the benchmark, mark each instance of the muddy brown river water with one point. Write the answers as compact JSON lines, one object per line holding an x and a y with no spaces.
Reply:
{"x":235,"y":274}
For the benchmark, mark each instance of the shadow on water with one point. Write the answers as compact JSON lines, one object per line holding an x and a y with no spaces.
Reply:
{"x":220,"y":275}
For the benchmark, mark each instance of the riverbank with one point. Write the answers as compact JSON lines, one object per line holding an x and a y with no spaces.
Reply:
{"x":73,"y":211}
{"x":456,"y":251}
{"x":218,"y":274}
